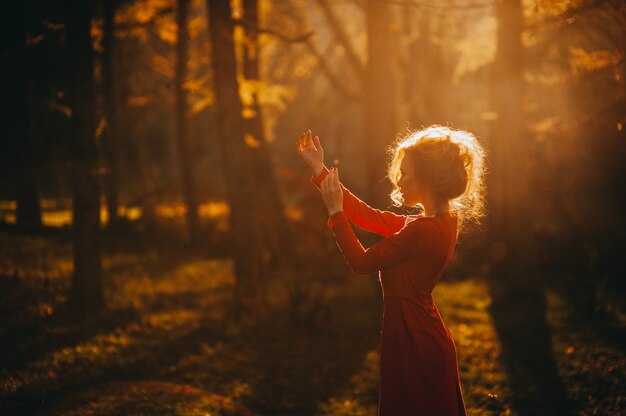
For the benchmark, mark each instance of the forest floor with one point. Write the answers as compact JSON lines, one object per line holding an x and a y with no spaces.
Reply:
{"x":164,"y":347}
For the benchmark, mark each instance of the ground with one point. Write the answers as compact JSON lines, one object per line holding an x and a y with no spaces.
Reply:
{"x":164,"y":347}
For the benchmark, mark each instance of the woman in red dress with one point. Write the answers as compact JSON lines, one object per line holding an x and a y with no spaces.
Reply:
{"x":440,"y":171}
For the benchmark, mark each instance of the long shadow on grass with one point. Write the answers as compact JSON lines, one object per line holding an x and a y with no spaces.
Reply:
{"x":519,"y":316}
{"x":287,"y":370}
{"x":30,"y":342}
{"x":27,"y":336}
{"x":300,"y":369}
{"x":35,"y":337}
{"x":275,"y":367}
{"x":139,"y":364}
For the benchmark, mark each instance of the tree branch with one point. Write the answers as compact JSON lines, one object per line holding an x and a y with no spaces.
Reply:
{"x":437,"y":7}
{"x":250,"y":26}
{"x":566,"y":17}
{"x":305,"y":38}
{"x":329,"y":73}
{"x":163,"y":12}
{"x":343,"y":38}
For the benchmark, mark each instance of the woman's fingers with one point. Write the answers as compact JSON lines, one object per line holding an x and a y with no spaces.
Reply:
{"x":309,"y":140}
{"x":336,"y":179}
{"x":331,"y":180}
{"x":317,"y":143}
{"x":303,"y":140}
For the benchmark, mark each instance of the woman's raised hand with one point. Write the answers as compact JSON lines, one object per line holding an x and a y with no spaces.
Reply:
{"x":331,"y":192}
{"x":311,"y":152}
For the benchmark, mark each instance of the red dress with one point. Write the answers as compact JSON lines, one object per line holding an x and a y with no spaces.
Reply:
{"x":418,"y":361}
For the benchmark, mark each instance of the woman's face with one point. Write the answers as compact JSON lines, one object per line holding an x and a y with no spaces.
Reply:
{"x":411,"y":189}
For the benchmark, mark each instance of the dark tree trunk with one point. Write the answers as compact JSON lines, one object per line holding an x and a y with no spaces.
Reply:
{"x":519,"y":305}
{"x":271,"y":210}
{"x":110,"y":107}
{"x":243,"y":196}
{"x":28,"y":213}
{"x":185,"y":155}
{"x":86,"y":290}
{"x":380,"y":99}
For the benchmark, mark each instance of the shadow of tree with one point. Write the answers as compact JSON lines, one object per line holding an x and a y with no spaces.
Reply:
{"x":271,"y":366}
{"x":167,"y":322}
{"x":520,"y":320}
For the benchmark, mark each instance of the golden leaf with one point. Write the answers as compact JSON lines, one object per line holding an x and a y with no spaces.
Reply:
{"x":202,"y":103}
{"x":97,"y":34}
{"x":195,"y":84}
{"x":101,"y":126}
{"x":55,"y":105}
{"x":582,"y":61}
{"x":197,"y":25}
{"x":252,"y":142}
{"x":248,"y":113}
{"x":167,"y":30}
{"x":138,"y":101}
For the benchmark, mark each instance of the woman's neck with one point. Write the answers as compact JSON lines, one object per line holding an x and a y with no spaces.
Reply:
{"x":434,"y":207}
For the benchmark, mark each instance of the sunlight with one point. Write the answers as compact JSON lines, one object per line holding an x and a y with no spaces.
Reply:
{"x":56,"y":214}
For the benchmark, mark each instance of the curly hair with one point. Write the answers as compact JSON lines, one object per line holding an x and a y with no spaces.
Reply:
{"x":451,"y":162}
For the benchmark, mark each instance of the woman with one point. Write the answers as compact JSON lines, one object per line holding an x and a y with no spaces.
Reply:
{"x":440,"y":171}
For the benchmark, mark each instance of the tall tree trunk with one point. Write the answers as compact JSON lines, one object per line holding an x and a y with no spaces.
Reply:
{"x":519,"y":306}
{"x":416,"y":74}
{"x":380,"y":99}
{"x":86,"y":290}
{"x":435,"y":86}
{"x":185,"y":156}
{"x":243,"y":196}
{"x":271,"y":210}
{"x":28,"y":213}
{"x":110,"y":107}
{"x":510,"y":227}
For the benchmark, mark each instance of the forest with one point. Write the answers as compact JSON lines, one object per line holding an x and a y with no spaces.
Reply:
{"x":164,"y":252}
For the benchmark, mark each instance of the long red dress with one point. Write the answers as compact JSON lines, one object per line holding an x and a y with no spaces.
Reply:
{"x":418,"y":361}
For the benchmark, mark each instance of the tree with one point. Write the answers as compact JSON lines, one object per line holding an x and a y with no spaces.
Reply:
{"x":185,"y":156}
{"x":243,"y":195}
{"x":510,"y":228}
{"x":86,"y":291}
{"x":271,"y":215}
{"x":519,"y":305}
{"x":28,"y":212}
{"x":380,"y":99}
{"x":110,"y":107}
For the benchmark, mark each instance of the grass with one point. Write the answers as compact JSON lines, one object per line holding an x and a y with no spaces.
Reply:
{"x":164,"y":347}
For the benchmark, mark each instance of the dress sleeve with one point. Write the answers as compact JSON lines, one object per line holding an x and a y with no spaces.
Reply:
{"x":384,"y":223}
{"x":409,"y":242}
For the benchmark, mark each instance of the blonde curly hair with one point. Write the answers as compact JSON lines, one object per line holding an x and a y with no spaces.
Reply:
{"x":452,"y":163}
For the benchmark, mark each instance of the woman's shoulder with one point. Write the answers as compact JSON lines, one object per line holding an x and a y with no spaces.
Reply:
{"x":435,"y":225}
{"x":408,"y":219}
{"x":420,"y":222}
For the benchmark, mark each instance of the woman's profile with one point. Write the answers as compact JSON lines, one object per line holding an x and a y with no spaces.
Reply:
{"x":440,"y":171}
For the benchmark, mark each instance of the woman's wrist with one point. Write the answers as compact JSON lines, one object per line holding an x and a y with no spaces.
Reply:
{"x":333,"y":211}
{"x":317,"y":170}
